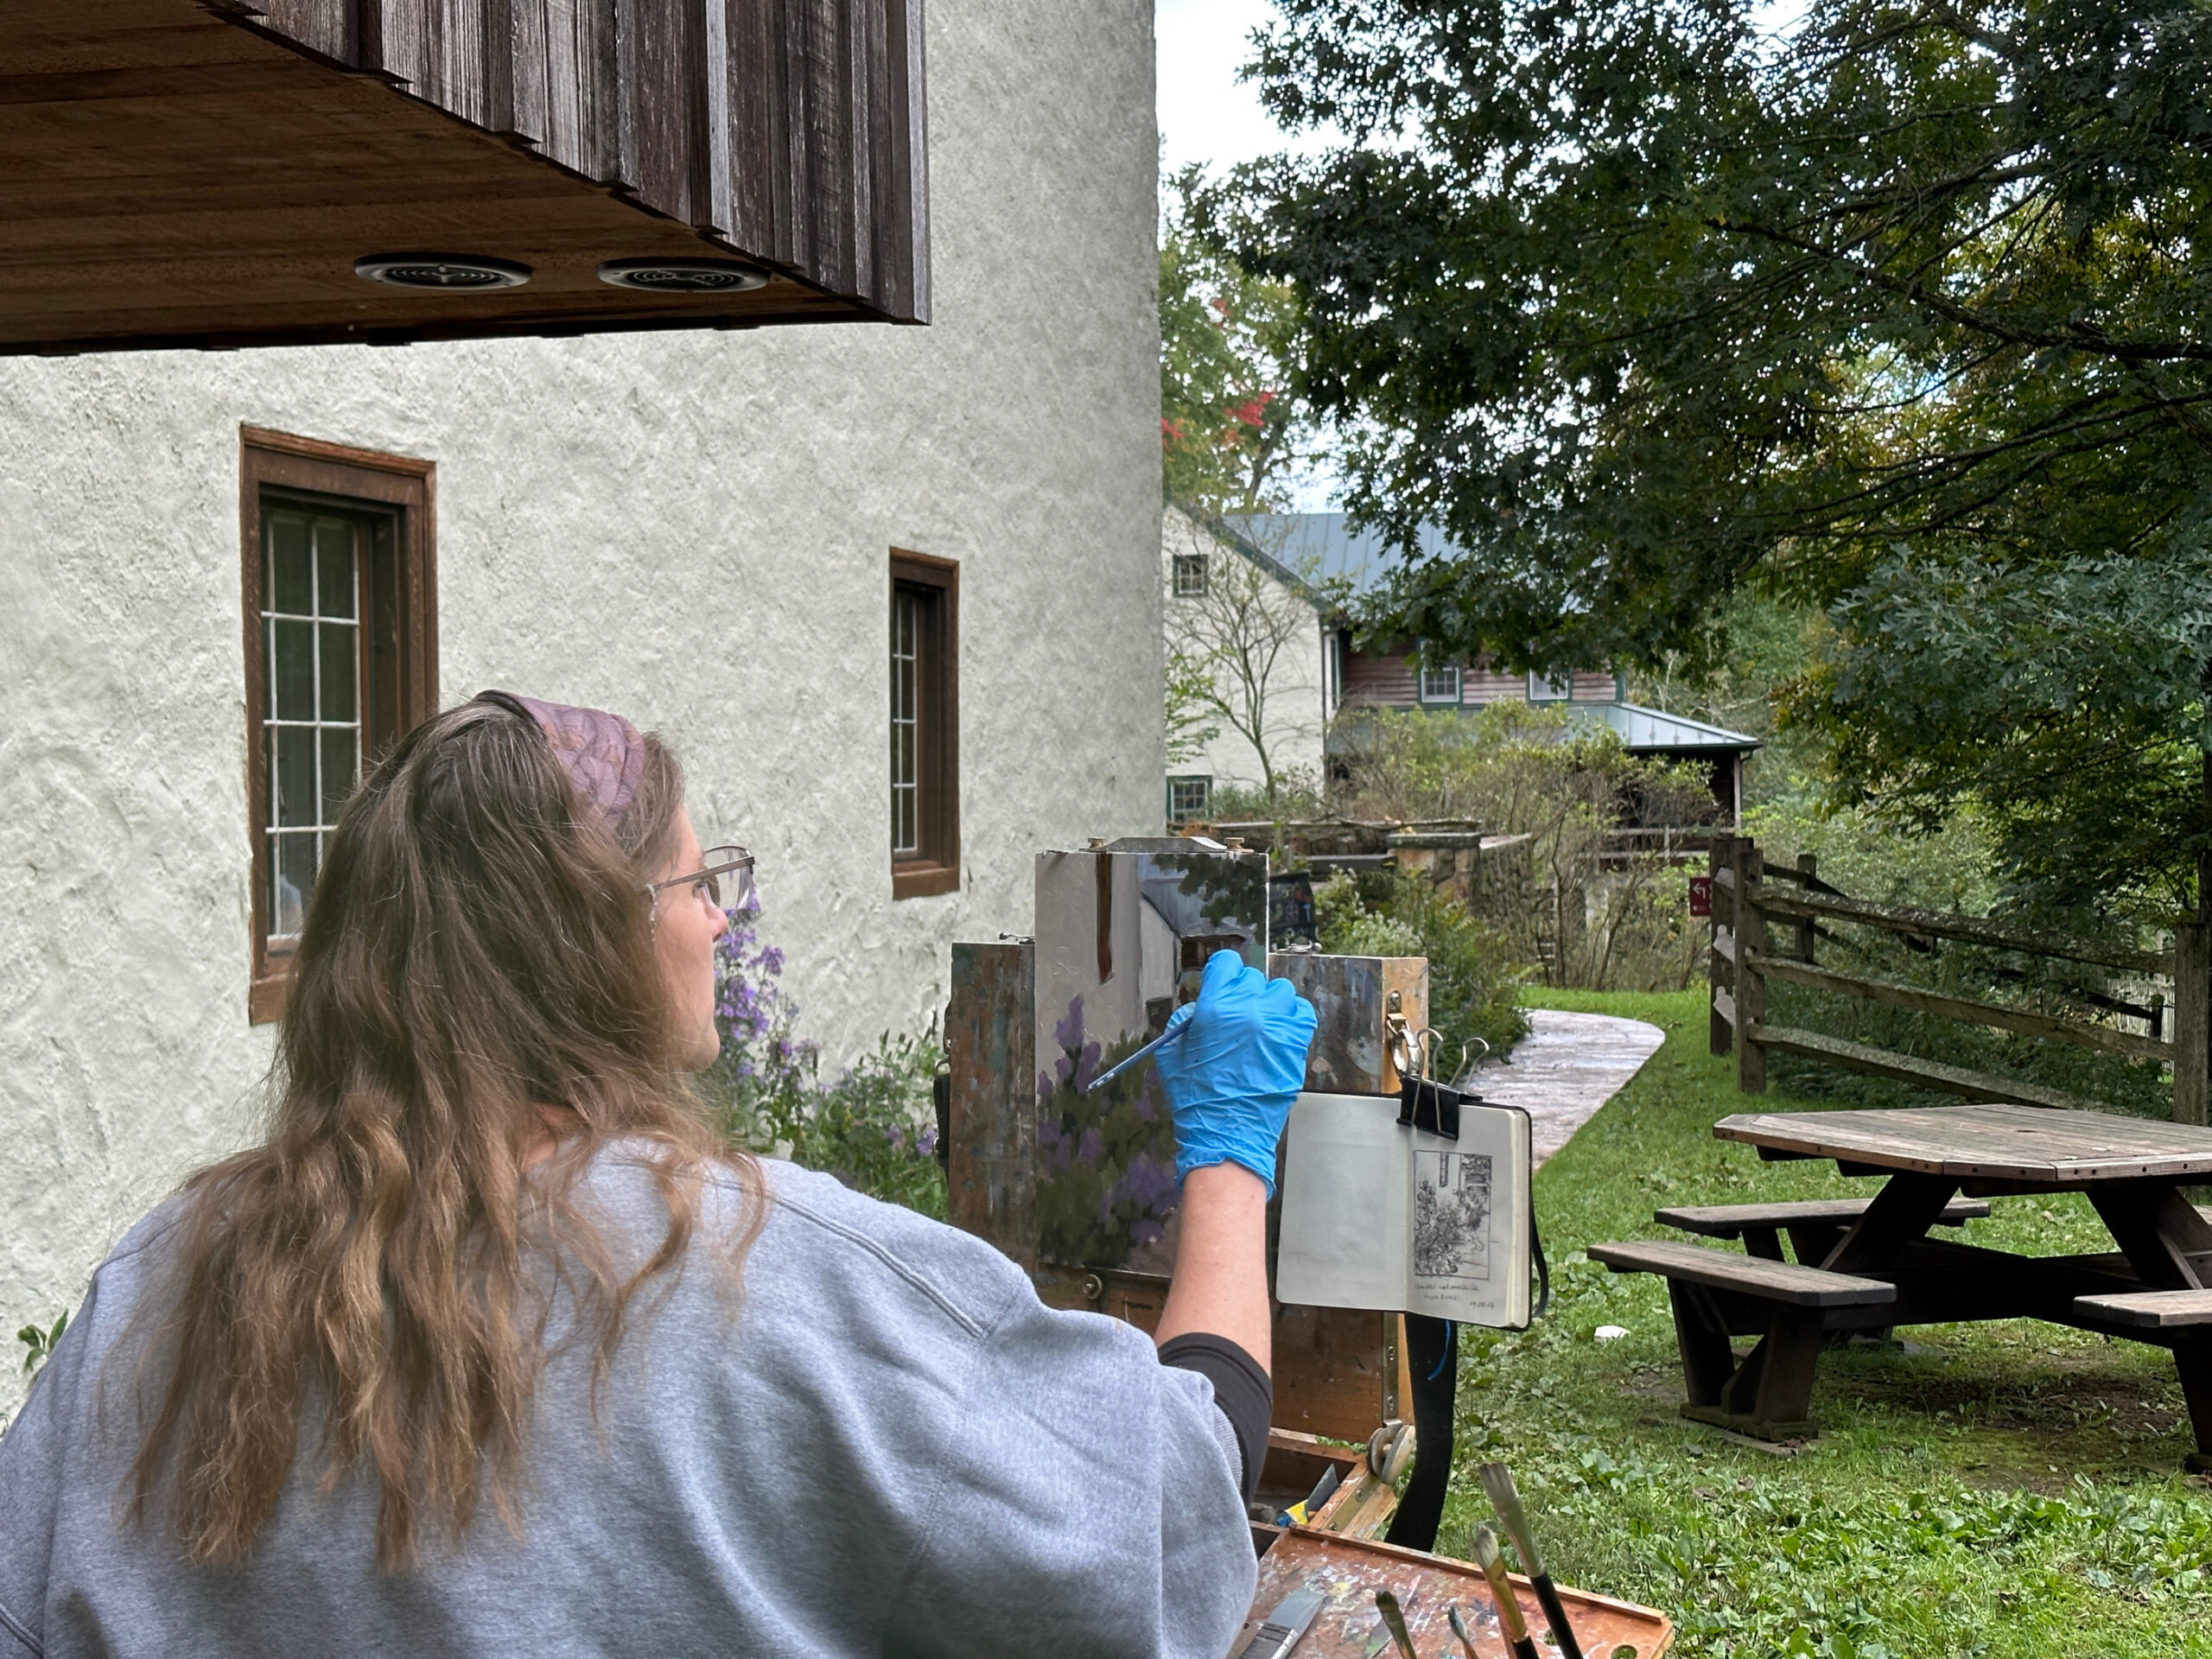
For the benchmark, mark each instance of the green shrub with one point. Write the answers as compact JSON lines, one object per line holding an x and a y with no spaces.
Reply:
{"x":1594,"y":907}
{"x":1296,"y":795}
{"x":875,"y":1128}
{"x":1474,"y":980}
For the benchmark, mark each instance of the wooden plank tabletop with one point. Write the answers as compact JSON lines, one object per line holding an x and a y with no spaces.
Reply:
{"x":1987,"y":1141}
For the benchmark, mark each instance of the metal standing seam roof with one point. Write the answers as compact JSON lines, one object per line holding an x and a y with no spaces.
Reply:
{"x":1648,"y":728}
{"x":1642,"y":730}
{"x":1324,"y":541}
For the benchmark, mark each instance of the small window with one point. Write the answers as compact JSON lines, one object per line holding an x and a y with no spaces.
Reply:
{"x":1189,"y":575}
{"x":924,"y":726}
{"x":1543,"y":690}
{"x":1188,"y":799}
{"x":341,"y":655}
{"x":1440,"y":684}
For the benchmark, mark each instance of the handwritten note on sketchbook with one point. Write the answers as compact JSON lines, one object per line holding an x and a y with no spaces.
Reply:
{"x":1375,"y":1215}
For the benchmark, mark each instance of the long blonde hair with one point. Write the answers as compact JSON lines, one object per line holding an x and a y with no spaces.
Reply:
{"x":478,"y":957}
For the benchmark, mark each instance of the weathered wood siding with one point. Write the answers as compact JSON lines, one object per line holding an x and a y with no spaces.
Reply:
{"x":1389,"y":681}
{"x":791,"y":131}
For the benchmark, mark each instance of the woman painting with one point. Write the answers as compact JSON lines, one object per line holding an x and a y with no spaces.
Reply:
{"x":495,"y":1345}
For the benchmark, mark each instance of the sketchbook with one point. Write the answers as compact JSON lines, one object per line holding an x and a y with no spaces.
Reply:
{"x":1376,"y":1215}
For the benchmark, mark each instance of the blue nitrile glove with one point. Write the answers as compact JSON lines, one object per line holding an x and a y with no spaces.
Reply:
{"x":1231,"y":1077}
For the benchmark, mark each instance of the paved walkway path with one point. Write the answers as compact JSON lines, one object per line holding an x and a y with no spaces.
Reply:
{"x":1567,"y":1067}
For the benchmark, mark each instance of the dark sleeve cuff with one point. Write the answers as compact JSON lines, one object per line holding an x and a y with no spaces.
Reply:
{"x":1241,"y":1388}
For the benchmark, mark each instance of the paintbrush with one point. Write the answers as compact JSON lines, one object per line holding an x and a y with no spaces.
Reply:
{"x":1497,"y":1481}
{"x":1459,"y":1629}
{"x":1387,"y":1605}
{"x":1509,"y":1605}
{"x":1123,"y":1064}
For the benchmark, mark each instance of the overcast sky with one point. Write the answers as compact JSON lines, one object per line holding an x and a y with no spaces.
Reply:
{"x":1207,"y":115}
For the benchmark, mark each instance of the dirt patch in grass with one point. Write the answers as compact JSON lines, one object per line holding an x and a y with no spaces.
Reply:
{"x":2007,"y":1417}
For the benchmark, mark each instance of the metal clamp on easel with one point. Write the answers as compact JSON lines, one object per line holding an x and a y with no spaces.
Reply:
{"x":1424,"y":1103}
{"x":1396,"y":1034}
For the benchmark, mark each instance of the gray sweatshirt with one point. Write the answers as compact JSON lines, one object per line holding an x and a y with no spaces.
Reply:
{"x":891,"y":1447}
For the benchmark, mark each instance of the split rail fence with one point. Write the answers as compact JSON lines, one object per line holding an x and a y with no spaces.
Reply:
{"x":1749,"y":898}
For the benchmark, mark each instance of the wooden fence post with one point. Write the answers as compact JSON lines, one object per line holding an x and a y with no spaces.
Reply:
{"x":2192,"y":1028}
{"x":1720,"y":980}
{"x":1747,"y":865}
{"x":1808,"y":866}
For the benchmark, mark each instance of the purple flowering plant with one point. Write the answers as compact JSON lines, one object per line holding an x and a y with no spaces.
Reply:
{"x":874,"y":1127}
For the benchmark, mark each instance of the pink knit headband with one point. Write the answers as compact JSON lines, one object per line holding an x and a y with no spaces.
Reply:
{"x":602,"y":754}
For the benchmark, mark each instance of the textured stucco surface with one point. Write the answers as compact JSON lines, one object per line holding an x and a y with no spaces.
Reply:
{"x":1294,"y":718}
{"x":691,"y":529}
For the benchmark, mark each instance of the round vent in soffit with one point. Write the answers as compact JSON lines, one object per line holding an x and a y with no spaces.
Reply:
{"x":684,"y":275}
{"x":452,"y":273}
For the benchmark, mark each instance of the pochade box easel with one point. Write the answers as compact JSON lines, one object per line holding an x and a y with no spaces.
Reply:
{"x":1079,"y":1189}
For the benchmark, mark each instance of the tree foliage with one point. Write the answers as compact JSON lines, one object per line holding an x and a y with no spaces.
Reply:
{"x":1228,"y":434}
{"x":1902,"y":315}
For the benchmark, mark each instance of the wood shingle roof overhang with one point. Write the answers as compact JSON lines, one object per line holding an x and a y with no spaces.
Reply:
{"x":204,"y":172}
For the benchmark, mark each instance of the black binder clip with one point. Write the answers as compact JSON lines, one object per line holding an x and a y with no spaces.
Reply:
{"x":1424,"y":1103}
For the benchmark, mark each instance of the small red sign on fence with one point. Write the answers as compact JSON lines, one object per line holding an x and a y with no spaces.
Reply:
{"x":1700,"y":895}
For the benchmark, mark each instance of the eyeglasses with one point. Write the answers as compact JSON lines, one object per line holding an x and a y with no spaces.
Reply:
{"x":725,"y":876}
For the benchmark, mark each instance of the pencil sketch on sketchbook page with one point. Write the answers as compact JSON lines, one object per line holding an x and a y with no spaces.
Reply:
{"x":1375,"y":1215}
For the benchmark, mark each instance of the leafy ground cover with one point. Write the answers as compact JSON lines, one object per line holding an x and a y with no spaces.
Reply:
{"x":2008,"y":1491}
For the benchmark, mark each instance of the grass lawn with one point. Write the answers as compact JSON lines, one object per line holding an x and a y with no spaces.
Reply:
{"x":1994,"y":1492}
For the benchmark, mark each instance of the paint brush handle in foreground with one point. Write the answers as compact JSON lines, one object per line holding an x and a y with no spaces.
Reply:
{"x":1556,"y":1615}
{"x":1394,"y":1622}
{"x":1505,"y":1499}
{"x":1127,"y":1061}
{"x":1510,"y":1621}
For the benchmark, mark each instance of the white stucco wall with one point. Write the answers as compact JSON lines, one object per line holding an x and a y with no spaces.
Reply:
{"x":1293,"y":721}
{"x":693,"y":530}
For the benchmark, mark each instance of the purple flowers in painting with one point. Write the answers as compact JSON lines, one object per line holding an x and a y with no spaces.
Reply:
{"x":1106,"y":1166}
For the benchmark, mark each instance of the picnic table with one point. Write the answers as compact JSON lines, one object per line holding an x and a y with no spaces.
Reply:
{"x":1868,"y":1265}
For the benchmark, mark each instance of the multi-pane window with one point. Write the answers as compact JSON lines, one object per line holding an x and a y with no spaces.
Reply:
{"x":1188,"y":799}
{"x":341,"y":647}
{"x":1440,"y":684}
{"x":925,"y":725}
{"x":906,"y":606}
{"x":1549,"y":688}
{"x":311,"y":721}
{"x":1189,"y":575}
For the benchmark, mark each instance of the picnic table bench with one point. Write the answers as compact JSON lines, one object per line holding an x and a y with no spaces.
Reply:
{"x":1867,"y":1265}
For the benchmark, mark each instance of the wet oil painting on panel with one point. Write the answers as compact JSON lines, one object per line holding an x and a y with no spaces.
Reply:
{"x":1123,"y":932}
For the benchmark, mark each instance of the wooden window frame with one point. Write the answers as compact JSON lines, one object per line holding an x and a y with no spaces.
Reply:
{"x":935,"y":868}
{"x":1192,"y":575}
{"x":310,"y":469}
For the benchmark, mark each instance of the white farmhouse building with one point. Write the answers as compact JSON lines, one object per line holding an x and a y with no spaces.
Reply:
{"x":1258,"y":631}
{"x":777,"y":547}
{"x":1280,"y":569}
